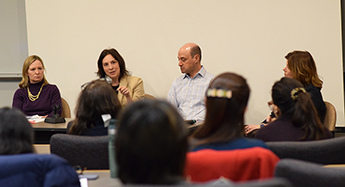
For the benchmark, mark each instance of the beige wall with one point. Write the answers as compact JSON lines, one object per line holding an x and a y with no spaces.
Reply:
{"x":243,"y":36}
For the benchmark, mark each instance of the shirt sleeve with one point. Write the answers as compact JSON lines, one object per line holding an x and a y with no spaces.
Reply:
{"x":138,"y":90}
{"x":172,"y":95}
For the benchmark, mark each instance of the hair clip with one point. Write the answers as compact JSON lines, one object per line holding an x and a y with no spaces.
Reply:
{"x":220,"y":93}
{"x":294,"y":92}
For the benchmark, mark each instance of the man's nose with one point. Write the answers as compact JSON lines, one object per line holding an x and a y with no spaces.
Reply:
{"x":179,"y":63}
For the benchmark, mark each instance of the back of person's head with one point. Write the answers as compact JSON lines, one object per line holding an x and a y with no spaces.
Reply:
{"x":226,"y":102}
{"x":303,"y":68}
{"x":16,"y":133}
{"x":295,"y":103}
{"x":151,"y":144}
{"x":97,"y":98}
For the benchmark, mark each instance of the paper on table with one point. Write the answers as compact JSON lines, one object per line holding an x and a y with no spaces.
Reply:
{"x":35,"y":119}
{"x":83,"y":182}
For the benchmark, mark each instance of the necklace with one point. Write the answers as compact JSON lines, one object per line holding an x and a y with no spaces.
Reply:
{"x":34,"y":97}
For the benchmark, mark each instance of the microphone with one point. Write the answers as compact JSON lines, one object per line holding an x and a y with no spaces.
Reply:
{"x":55,"y":117}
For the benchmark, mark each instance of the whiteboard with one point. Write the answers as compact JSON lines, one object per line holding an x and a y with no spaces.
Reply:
{"x":13,"y":38}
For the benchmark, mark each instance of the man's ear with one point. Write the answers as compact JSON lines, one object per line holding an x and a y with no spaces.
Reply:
{"x":197,"y":58}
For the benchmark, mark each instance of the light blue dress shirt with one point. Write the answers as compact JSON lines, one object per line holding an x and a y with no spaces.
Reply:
{"x":187,"y":94}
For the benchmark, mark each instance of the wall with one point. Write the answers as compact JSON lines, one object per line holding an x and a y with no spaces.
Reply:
{"x":243,"y":36}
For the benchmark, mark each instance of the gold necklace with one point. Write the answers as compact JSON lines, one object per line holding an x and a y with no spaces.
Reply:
{"x":34,"y":97}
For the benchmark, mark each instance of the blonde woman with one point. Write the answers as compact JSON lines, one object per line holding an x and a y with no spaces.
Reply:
{"x":35,"y":95}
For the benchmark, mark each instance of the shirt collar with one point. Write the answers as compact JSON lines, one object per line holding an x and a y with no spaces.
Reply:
{"x":201,"y":72}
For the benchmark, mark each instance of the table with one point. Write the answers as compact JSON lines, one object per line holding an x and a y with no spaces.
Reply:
{"x":103,"y":180}
{"x":43,"y":131}
{"x":342,"y":166}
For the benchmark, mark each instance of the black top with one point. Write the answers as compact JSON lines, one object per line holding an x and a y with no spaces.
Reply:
{"x":316,"y":97}
{"x":97,"y":129}
{"x":115,"y":88}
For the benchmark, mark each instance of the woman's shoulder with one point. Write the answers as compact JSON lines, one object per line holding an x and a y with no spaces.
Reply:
{"x":132,"y":78}
{"x":51,"y":87}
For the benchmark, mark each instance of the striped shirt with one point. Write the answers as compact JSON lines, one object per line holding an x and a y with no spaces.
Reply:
{"x":187,"y":94}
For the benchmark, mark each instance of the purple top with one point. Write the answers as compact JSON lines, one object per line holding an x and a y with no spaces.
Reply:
{"x":282,"y":129}
{"x":49,"y":97}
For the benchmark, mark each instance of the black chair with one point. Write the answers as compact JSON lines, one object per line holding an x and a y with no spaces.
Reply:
{"x":89,"y":152}
{"x":329,"y":151}
{"x":307,"y":174}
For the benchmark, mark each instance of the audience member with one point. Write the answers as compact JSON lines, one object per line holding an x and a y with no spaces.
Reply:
{"x":128,"y":88}
{"x":20,"y":166}
{"x":151,"y":144}
{"x":35,"y":95}
{"x":300,"y":65}
{"x":16,"y":133}
{"x":95,"y":99}
{"x":226,"y":102}
{"x":187,"y":92}
{"x":297,"y":117}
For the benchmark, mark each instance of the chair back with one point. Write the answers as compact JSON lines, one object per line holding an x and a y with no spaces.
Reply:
{"x":330,"y":117}
{"x":236,"y":165}
{"x":328,"y":151}
{"x":36,"y":170}
{"x":86,"y":151}
{"x":306,"y":174}
{"x":66,"y":111}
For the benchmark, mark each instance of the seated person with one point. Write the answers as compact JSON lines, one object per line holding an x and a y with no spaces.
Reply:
{"x":112,"y":65}
{"x":151,"y":144}
{"x":226,"y":102}
{"x":19,"y":165}
{"x":95,"y":99}
{"x":35,"y":95}
{"x":301,"y":66}
{"x":16,"y":133}
{"x":187,"y":91}
{"x":297,"y":117}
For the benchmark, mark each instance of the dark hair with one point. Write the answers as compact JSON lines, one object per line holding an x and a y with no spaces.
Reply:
{"x":224,"y":119}
{"x":113,"y":52}
{"x":151,"y":143}
{"x":303,"y":68}
{"x":16,"y":133}
{"x":97,"y":98}
{"x":298,"y":107}
{"x":195,"y":51}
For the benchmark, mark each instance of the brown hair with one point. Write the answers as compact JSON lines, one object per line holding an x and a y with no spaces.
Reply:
{"x":303,"y":68}
{"x":97,"y":98}
{"x":113,"y":52}
{"x":224,"y":119}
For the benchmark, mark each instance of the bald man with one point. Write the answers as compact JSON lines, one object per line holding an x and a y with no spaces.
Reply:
{"x":188,"y":91}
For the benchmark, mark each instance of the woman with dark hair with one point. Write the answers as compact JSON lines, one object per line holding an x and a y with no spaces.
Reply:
{"x":301,"y":66}
{"x":35,"y":95}
{"x":151,"y":144}
{"x":16,"y":133}
{"x":128,"y":88}
{"x":226,"y":103}
{"x":297,"y":117}
{"x":95,"y":99}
